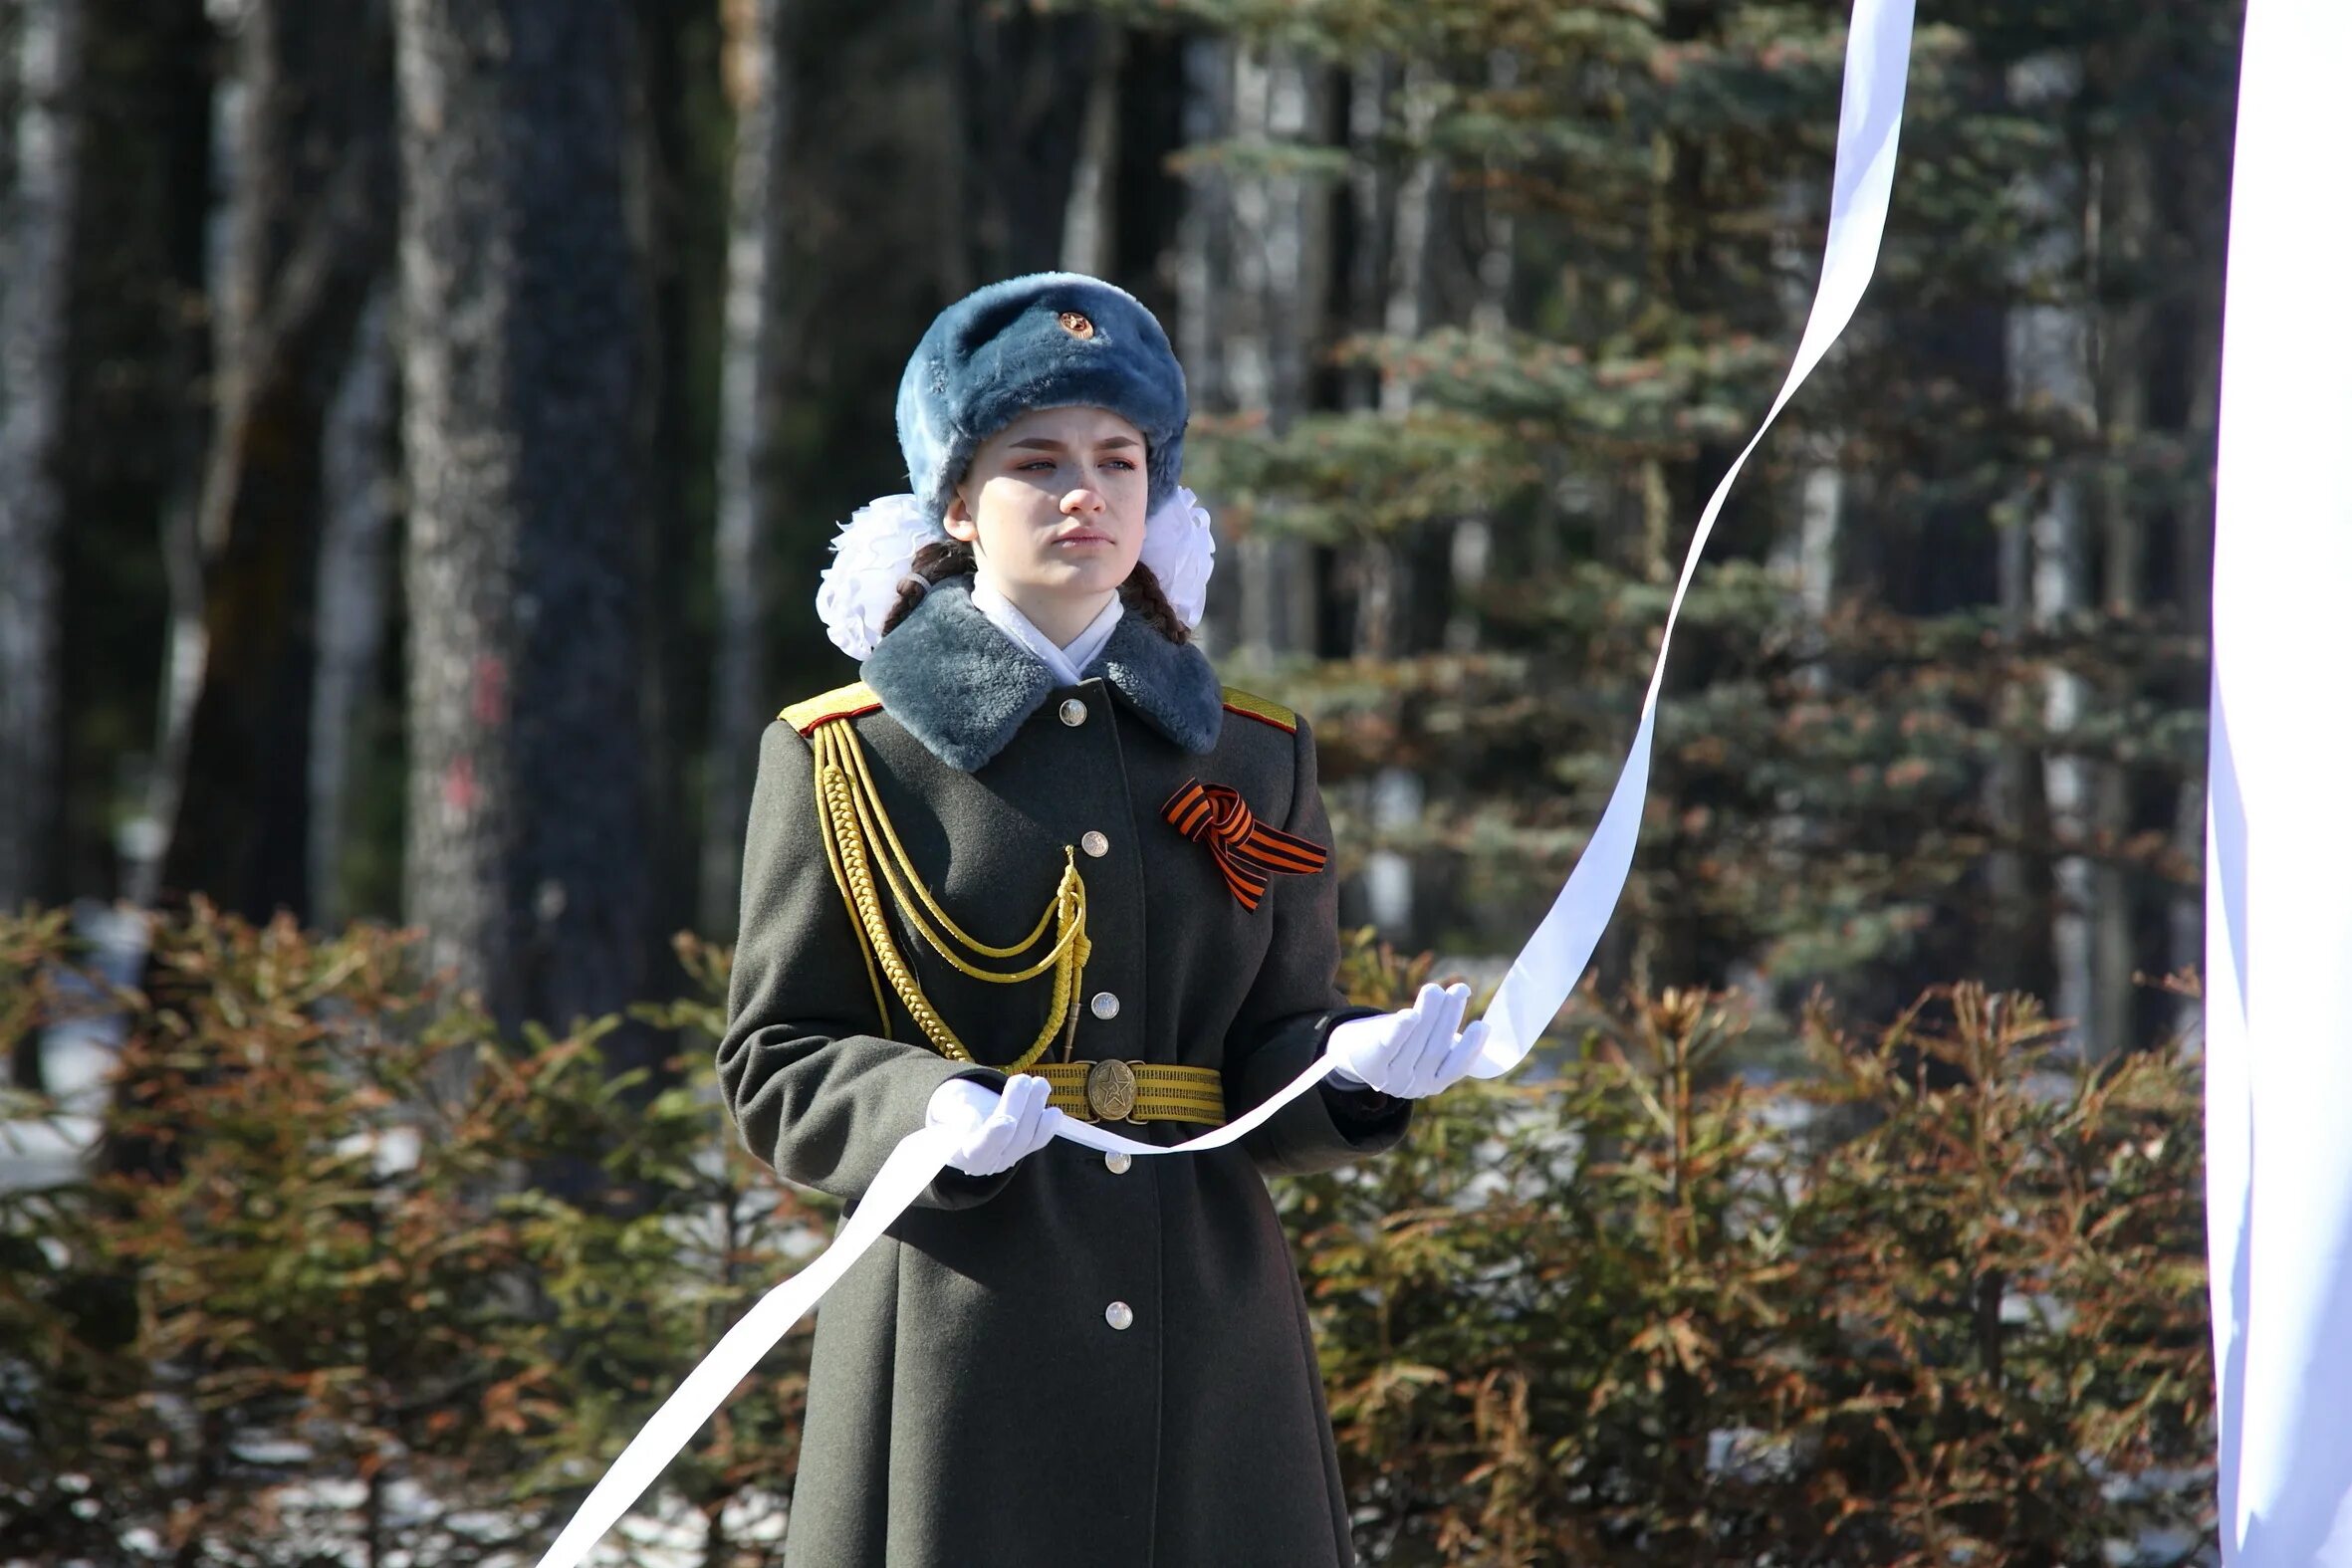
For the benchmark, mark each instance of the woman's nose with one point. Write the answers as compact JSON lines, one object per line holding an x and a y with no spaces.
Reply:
{"x":1082,"y":498}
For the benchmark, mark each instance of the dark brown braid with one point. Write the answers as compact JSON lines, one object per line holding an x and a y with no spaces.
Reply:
{"x":933,"y":563}
{"x":1141,"y":594}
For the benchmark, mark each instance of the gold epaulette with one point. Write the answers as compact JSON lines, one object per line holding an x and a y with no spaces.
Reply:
{"x":1261,"y":709}
{"x":842,"y":702}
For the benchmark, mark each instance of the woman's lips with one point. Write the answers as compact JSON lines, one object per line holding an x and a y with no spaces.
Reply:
{"x":1083,"y":539}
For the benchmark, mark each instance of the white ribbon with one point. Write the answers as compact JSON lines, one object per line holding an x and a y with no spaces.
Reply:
{"x":1878,"y":55}
{"x":1878,"y":51}
{"x":911,"y":1167}
{"x":2278,"y":1041}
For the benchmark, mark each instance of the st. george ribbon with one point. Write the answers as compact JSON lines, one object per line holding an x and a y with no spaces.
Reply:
{"x":1870,"y":119}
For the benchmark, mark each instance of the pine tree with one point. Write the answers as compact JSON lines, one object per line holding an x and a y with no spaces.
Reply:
{"x":1622,"y":207}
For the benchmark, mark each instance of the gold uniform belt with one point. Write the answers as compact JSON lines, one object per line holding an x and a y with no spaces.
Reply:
{"x":1134,"y":1091}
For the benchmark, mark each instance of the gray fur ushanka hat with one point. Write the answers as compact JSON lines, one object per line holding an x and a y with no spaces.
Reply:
{"x":1048,"y":339}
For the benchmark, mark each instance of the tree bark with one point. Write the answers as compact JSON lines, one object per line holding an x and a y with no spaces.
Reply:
{"x":1022,"y":73}
{"x":1203,"y":282}
{"x":954,"y":182}
{"x":309,"y":234}
{"x":2050,"y":379}
{"x":1268,"y":326}
{"x":357,"y":474}
{"x":524,"y":341}
{"x":1089,"y":224}
{"x":1470,"y":544}
{"x":752,"y":498}
{"x":2016,"y":948}
{"x":2126,"y":236}
{"x":678,"y":189}
{"x":2193,"y":570}
{"x":36,"y":275}
{"x":2061,"y":594}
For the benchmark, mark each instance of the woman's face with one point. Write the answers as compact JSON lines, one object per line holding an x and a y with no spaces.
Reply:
{"x":1053,"y":504}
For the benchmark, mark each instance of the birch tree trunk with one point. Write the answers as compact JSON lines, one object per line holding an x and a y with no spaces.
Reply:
{"x":523,"y":327}
{"x":2016,"y":948}
{"x":1248,"y":327}
{"x":751,"y":481}
{"x":2049,"y":349}
{"x":1383,"y":610}
{"x":35,"y":272}
{"x":1808,"y":556}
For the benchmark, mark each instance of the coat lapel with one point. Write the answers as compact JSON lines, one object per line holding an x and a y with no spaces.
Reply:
{"x":962,"y":687}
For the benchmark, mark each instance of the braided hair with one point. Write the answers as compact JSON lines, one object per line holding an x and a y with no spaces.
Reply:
{"x":1140,"y":596}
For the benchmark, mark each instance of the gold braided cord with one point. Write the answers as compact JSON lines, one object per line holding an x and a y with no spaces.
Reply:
{"x":828,"y":779}
{"x":839,"y":822}
{"x":899,"y":871}
{"x":848,"y":811}
{"x":866,"y":778}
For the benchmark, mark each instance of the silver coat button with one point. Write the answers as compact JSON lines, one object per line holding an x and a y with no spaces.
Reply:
{"x":1117,"y":1161}
{"x":1106,"y":1005}
{"x":1118,"y":1314}
{"x":1073,"y":712}
{"x":1095,"y":844}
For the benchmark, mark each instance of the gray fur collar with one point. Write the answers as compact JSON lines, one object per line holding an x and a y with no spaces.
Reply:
{"x":962,"y":687}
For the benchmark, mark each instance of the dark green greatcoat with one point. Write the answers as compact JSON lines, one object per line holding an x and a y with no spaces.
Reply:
{"x":969,"y":1403}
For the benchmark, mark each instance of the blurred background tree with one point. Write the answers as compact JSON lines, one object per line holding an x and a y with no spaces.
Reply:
{"x":1475,"y":301}
{"x":421,"y":426}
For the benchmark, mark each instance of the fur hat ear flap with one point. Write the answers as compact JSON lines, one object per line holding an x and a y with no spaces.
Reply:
{"x":1048,"y":339}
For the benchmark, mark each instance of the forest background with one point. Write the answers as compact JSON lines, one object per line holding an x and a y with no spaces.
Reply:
{"x":421,"y":425}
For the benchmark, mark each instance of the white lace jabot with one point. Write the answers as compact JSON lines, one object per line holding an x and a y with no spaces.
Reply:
{"x":1066,"y":663}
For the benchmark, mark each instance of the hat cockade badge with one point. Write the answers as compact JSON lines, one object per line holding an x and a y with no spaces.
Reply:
{"x":1076,"y":325}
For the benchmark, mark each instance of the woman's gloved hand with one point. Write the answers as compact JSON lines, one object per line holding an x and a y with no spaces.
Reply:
{"x":999,"y":1128}
{"x":1413,"y":1052}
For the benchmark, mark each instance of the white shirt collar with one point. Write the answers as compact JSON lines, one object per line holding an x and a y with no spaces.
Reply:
{"x":1066,"y":663}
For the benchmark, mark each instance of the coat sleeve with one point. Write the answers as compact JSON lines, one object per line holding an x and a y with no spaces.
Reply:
{"x":811,"y":1088}
{"x":1292,"y":1006}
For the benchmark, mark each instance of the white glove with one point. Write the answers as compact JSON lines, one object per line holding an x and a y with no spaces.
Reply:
{"x":1413,"y":1052}
{"x":1000,"y":1128}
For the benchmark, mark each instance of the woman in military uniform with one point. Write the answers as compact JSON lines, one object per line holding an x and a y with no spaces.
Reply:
{"x":1056,"y":1357}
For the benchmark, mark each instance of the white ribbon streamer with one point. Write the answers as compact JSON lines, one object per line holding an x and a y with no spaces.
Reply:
{"x":911,"y":1167}
{"x":2279,"y":841}
{"x":1870,"y":117}
{"x":1878,"y":56}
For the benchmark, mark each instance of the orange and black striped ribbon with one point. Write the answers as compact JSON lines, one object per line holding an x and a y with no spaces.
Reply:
{"x":1246,"y":850}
